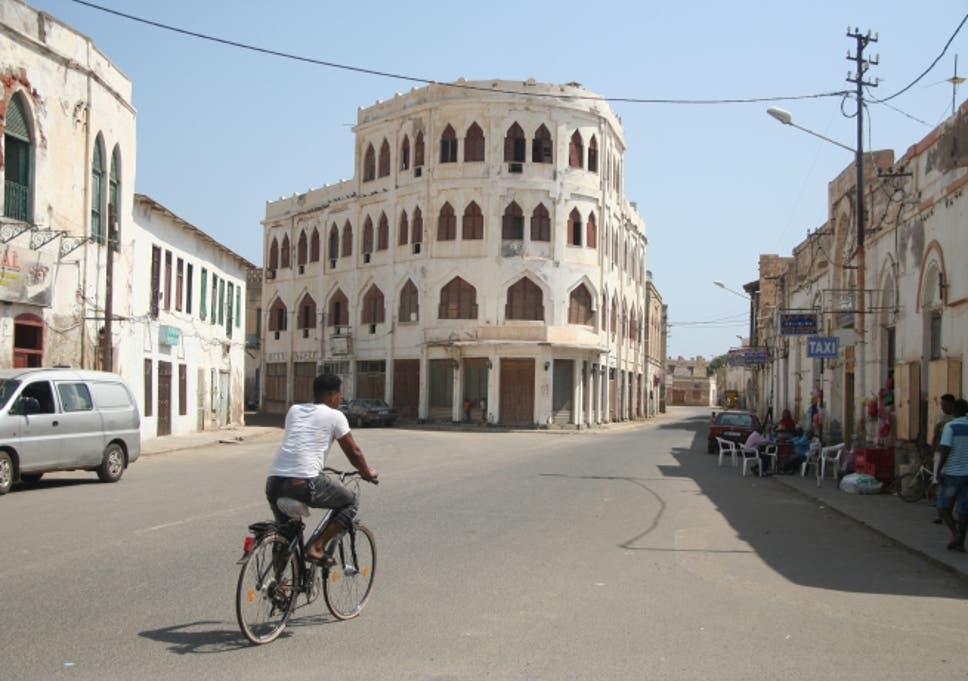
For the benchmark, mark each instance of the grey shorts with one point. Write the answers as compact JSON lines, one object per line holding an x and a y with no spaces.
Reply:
{"x":321,"y":492}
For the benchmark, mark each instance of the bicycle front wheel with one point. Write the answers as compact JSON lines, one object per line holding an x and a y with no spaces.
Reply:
{"x":910,"y":486}
{"x":349,"y":582}
{"x":266,"y":593}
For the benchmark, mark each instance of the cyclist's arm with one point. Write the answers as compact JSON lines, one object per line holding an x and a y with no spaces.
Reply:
{"x":355,"y":456}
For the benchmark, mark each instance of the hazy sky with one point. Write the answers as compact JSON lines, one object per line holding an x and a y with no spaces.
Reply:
{"x":222,"y":130}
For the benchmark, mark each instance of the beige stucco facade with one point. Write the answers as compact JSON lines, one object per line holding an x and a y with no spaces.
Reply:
{"x":483,"y":158}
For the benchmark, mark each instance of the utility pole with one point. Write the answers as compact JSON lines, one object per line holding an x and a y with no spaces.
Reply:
{"x":107,"y":363}
{"x":857,"y":77}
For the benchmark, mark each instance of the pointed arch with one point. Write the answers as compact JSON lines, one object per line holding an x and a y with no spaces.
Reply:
{"x":542,"y":148}
{"x":18,"y":160}
{"x":448,"y":145}
{"x":383,"y":233}
{"x":383,"y":168}
{"x":446,"y":223}
{"x":347,"y":241}
{"x":418,"y":150}
{"x":515,"y":144}
{"x":332,"y":250}
{"x":114,"y":200}
{"x":367,"y":235}
{"x":574,"y":227}
{"x":416,"y":228}
{"x":314,"y":245}
{"x":540,"y":223}
{"x":591,"y":231}
{"x":593,"y":155}
{"x":97,"y":191}
{"x":307,"y":312}
{"x":373,"y":306}
{"x":285,"y":253}
{"x":512,"y":224}
{"x":404,"y":229}
{"x":576,"y":150}
{"x":474,"y":144}
{"x":525,"y":301}
{"x":278,"y":315}
{"x":405,"y":153}
{"x":273,"y":254}
{"x":338,"y":309}
{"x":409,"y":310}
{"x":580,"y":307}
{"x":302,"y":248}
{"x":472,"y":225}
{"x":458,"y":300}
{"x":369,"y":164}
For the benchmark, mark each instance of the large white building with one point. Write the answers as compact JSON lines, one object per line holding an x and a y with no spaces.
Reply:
{"x":484,"y":251}
{"x":92,"y":275}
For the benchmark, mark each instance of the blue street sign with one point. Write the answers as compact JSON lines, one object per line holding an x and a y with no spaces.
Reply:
{"x":798,"y":324}
{"x":822,"y":347}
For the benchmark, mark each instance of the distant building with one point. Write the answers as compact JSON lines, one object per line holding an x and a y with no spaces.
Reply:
{"x":689,"y":383}
{"x":484,"y":251}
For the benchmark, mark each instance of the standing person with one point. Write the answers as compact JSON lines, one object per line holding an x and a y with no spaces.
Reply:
{"x":953,"y":491}
{"x":786,"y":424}
{"x":297,"y":470}
{"x":947,"y":403}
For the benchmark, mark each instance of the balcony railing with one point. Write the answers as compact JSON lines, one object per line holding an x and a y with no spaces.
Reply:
{"x":16,"y":201}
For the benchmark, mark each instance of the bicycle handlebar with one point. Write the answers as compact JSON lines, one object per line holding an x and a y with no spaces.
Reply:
{"x":343,"y":475}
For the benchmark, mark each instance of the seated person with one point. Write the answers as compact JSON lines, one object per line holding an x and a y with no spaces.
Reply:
{"x":786,"y":424}
{"x":757,"y":440}
{"x":801,"y":447}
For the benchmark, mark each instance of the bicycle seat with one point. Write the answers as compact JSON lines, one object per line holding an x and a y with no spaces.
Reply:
{"x":292,"y":508}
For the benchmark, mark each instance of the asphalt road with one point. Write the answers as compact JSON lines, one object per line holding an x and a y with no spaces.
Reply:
{"x":618,"y":554}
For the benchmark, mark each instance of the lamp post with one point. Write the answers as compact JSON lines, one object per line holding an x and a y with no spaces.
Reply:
{"x":727,"y":288}
{"x":786,"y":118}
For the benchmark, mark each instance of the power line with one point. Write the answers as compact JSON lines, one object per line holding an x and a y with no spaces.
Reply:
{"x":430,"y":81}
{"x":927,"y":70}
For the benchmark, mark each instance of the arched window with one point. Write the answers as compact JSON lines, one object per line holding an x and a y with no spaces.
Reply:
{"x":524,"y":301}
{"x":458,"y":300}
{"x":633,"y":326}
{"x":314,"y":246}
{"x":97,"y":191}
{"x":404,"y":228}
{"x":302,"y":248}
{"x":278,"y":315}
{"x":307,"y":314}
{"x":472,"y":226}
{"x":372,"y":312}
{"x":542,"y":150}
{"x":613,"y":322}
{"x":474,"y":144}
{"x":409,"y":303}
{"x":575,"y":151}
{"x":285,"y":252}
{"x":448,"y":146}
{"x":367,"y":235}
{"x":339,"y":309}
{"x":383,"y":169}
{"x":114,"y":201}
{"x":369,"y":164}
{"x":446,"y":223}
{"x":405,"y":153}
{"x":347,"y":243}
{"x":593,"y":154}
{"x":512,"y":224}
{"x":604,"y":310}
{"x":418,"y":150}
{"x":515,"y":145}
{"x":591,"y":231}
{"x":383,"y":233}
{"x":17,"y":160}
{"x":540,"y":224}
{"x":574,"y":227}
{"x":274,"y":254}
{"x":417,"y":228}
{"x":333,"y":246}
{"x":580,"y":307}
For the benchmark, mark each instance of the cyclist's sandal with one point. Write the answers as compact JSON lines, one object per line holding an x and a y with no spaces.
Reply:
{"x":324,"y":561}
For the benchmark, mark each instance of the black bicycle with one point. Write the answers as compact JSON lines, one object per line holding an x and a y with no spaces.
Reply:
{"x":276,"y":578}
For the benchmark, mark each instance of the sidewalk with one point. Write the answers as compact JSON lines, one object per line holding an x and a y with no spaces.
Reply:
{"x":905,"y":524}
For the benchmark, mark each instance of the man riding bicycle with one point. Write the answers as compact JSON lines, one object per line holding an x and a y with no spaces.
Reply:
{"x":297,"y":470}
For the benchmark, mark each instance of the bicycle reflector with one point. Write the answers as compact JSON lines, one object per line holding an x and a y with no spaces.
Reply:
{"x":248,"y":544}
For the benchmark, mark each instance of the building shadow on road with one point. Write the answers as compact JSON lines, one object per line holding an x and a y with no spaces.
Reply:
{"x":798,"y":536}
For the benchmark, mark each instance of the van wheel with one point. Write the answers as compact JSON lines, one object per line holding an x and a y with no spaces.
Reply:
{"x":6,"y":472}
{"x":112,"y":466}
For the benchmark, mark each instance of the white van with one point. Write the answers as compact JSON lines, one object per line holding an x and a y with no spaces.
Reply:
{"x":64,"y":420}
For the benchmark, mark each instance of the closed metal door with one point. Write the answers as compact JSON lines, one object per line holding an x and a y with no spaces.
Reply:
{"x":517,"y":392}
{"x":164,"y":398}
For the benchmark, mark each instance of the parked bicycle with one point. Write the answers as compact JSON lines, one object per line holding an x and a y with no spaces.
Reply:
{"x":276,"y":576}
{"x":917,"y":485}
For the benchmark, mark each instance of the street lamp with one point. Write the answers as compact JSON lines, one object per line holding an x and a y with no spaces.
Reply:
{"x":727,"y":288}
{"x":786,"y":118}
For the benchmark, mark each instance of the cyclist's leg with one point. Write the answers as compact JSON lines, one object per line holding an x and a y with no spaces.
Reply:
{"x":328,"y":493}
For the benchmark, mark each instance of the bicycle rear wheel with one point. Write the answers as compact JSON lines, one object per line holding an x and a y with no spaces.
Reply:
{"x":911,"y":486}
{"x":266,"y":592}
{"x":348,"y":583}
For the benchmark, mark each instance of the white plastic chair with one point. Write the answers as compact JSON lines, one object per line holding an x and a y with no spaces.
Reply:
{"x":726,"y":447}
{"x":830,"y":455}
{"x":773,"y":452}
{"x":813,"y":457}
{"x":751,"y":455}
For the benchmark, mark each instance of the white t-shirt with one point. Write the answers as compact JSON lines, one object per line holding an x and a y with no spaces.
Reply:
{"x":310,"y":431}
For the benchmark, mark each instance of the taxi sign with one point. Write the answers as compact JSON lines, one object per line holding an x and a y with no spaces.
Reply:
{"x":822,"y":347}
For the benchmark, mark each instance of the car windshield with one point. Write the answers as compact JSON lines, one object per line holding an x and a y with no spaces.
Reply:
{"x":739,"y":420}
{"x":8,"y":387}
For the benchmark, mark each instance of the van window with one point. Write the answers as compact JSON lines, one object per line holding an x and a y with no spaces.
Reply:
{"x":8,"y":387}
{"x":110,"y":395}
{"x":40,"y":390}
{"x":74,"y":397}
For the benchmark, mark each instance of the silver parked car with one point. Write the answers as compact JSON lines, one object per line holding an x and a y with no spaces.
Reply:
{"x":65,"y":419}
